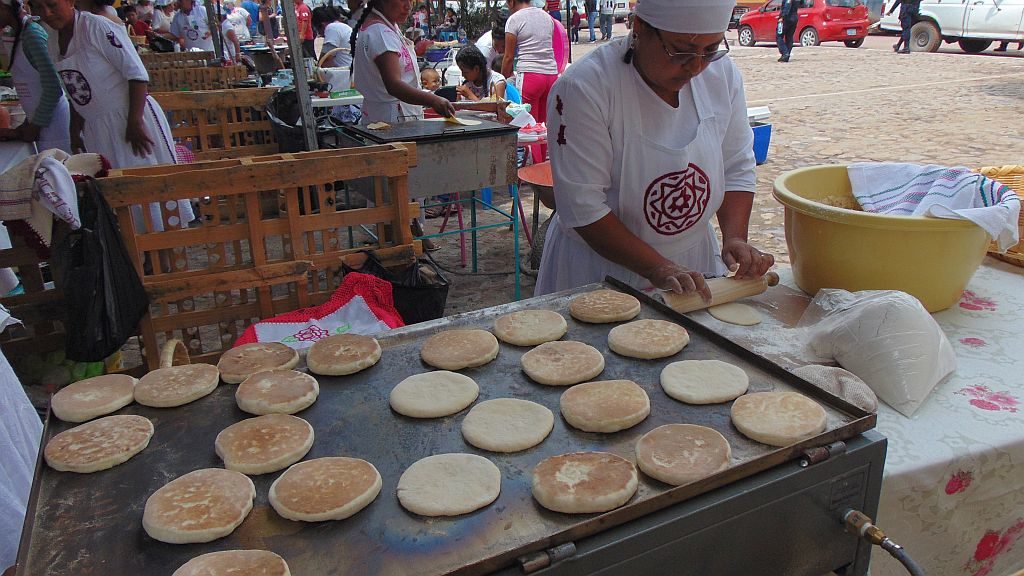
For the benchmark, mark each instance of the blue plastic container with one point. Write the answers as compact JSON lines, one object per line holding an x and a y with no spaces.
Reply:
{"x":762,"y":138}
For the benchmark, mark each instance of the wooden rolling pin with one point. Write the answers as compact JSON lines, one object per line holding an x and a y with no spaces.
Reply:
{"x":722,"y":290}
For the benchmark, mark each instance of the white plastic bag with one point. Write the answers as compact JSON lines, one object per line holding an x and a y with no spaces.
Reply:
{"x":886,"y":338}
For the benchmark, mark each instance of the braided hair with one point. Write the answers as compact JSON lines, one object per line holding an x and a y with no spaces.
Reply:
{"x":472,"y":57}
{"x":367,"y":8}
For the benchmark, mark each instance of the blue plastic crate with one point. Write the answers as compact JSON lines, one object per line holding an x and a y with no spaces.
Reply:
{"x":762,"y":137}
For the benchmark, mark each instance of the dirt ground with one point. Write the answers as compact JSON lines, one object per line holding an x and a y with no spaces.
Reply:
{"x":829,"y":105}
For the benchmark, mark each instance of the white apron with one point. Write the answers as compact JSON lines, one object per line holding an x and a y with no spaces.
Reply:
{"x":26,"y":81}
{"x":395,"y":111}
{"x":667,"y":198}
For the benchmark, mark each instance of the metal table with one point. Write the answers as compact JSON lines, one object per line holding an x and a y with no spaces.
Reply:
{"x":454,"y":159}
{"x":82,"y":524}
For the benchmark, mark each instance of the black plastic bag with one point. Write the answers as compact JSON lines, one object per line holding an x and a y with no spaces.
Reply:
{"x":286,"y":122}
{"x":420,"y":290}
{"x":103,"y":294}
{"x":160,"y":44}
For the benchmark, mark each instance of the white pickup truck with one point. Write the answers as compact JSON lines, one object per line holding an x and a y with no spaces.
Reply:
{"x":974,"y":24}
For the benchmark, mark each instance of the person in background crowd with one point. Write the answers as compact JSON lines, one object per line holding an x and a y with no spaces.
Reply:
{"x":786,"y":28}
{"x":663,"y":109}
{"x":232,"y":47}
{"x":253,"y":9}
{"x":385,"y":72}
{"x":607,"y":18}
{"x":144,"y":10}
{"x":480,"y":81}
{"x":329,"y":22}
{"x":1006,"y":44}
{"x":492,"y":43}
{"x":304,"y":20}
{"x":239,"y":19}
{"x":47,"y":115}
{"x":575,"y":23}
{"x":191,"y":28}
{"x":103,"y":8}
{"x":355,"y":12}
{"x":593,"y":13}
{"x":451,"y":20}
{"x":430,"y":79}
{"x":268,"y":21}
{"x":135,"y":25}
{"x":908,"y":14}
{"x":420,"y":19}
{"x":554,"y":9}
{"x":528,"y":44}
{"x":163,"y":13}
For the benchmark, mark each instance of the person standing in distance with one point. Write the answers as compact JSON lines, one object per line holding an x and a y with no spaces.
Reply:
{"x":908,"y":14}
{"x":607,"y":18}
{"x":304,"y":21}
{"x":786,"y":28}
{"x":592,"y":14}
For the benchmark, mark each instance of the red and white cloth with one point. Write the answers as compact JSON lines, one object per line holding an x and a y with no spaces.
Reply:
{"x":362,"y":304}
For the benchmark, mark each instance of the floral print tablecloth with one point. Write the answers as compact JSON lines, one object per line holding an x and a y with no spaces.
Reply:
{"x":953,"y":487}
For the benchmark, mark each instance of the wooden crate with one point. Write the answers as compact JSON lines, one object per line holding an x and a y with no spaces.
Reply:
{"x":219,"y":124}
{"x":195,"y":78}
{"x":157,"y":60}
{"x":256,"y":259}
{"x":40,"y":308}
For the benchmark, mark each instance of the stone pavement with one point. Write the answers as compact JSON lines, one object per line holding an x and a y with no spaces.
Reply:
{"x":830,"y":105}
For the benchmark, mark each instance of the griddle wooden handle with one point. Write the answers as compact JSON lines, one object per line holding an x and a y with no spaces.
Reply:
{"x":722,"y":290}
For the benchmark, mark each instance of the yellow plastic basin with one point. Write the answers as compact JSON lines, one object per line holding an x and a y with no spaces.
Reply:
{"x":831,"y":247}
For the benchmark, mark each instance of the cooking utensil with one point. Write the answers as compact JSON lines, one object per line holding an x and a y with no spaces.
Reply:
{"x":722,"y":290}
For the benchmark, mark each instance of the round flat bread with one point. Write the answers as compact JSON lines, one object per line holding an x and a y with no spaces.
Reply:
{"x":434,"y":394}
{"x":342,"y":354}
{"x":235,"y":563}
{"x":530,"y":327}
{"x":98,"y":445}
{"x":562,"y":363}
{"x":277,"y":392}
{"x":243,"y":361}
{"x":777,"y":418}
{"x":603,"y":306}
{"x":736,"y":313}
{"x":584,"y":482}
{"x":176,"y":385}
{"x":200,"y":506}
{"x":458,"y":349}
{"x":841,"y":383}
{"x":264,"y":444}
{"x":648,"y":339}
{"x":704,"y":381}
{"x":93,"y":397}
{"x":449,"y":485}
{"x":678,"y":454}
{"x":606,"y":406}
{"x":507,"y":425}
{"x":325,"y":489}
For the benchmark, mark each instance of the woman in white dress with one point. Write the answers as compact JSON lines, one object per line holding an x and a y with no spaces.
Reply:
{"x":37,"y":83}
{"x":649,"y":141}
{"x":107,"y":84}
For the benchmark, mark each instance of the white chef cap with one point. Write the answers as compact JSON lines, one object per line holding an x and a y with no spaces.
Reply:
{"x":687,"y":16}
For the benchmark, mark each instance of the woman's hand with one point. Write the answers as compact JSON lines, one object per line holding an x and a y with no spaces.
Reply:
{"x":136,"y":135}
{"x":443,"y":107}
{"x":675,"y":278}
{"x":465,"y":92}
{"x":745,"y":260}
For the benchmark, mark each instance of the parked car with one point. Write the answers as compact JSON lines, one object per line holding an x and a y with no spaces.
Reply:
{"x":820,"y":21}
{"x":973,"y":24}
{"x":737,"y":13}
{"x":621,"y":10}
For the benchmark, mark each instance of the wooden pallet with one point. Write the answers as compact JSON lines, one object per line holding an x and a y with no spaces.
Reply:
{"x":41,"y":307}
{"x":158,"y":60}
{"x":218,"y":124}
{"x":195,"y":78}
{"x":263,"y":255}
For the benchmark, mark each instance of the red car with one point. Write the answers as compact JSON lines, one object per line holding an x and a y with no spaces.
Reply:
{"x":820,"y":21}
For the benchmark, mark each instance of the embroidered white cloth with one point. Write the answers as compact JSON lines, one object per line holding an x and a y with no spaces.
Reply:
{"x":938,"y":191}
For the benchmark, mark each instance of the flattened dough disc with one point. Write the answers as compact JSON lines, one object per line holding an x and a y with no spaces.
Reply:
{"x":449,"y":485}
{"x":277,"y":392}
{"x":704,"y":381}
{"x":603,"y":306}
{"x":562,"y":363}
{"x":92,"y":397}
{"x":325,"y":489}
{"x":342,"y":354}
{"x":606,"y":406}
{"x":433,"y":394}
{"x":584,"y":482}
{"x":507,"y":425}
{"x":458,"y":349}
{"x":176,"y":385}
{"x":736,"y":313}
{"x":778,"y":418}
{"x":235,"y":563}
{"x":264,"y":444}
{"x":243,"y":361}
{"x":99,"y":444}
{"x":648,"y":339}
{"x":530,"y":327}
{"x":200,"y":506}
{"x":678,"y":454}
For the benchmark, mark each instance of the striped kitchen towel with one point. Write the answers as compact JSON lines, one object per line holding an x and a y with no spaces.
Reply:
{"x":939,"y":191}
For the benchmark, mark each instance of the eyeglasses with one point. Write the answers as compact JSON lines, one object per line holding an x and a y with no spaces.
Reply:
{"x":684,"y":58}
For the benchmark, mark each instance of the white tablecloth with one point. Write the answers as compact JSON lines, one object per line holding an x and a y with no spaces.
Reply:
{"x":953,"y":488}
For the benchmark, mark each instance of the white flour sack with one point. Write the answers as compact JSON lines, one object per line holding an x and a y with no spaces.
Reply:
{"x":886,"y":338}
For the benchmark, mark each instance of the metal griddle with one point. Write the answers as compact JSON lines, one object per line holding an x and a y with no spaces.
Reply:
{"x":91,"y":524}
{"x":429,"y":130}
